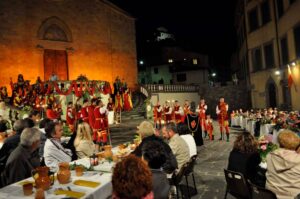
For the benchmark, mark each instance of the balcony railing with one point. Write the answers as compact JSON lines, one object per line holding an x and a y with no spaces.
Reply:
{"x":171,"y":88}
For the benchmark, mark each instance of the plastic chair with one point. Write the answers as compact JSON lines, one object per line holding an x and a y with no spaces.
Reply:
{"x":260,"y":192}
{"x":236,"y":185}
{"x":190,"y":172}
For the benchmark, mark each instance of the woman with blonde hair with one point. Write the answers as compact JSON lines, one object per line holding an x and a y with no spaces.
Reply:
{"x":283,"y":173}
{"x":83,"y":142}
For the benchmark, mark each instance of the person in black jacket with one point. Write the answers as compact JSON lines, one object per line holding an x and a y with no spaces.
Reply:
{"x":149,"y":134}
{"x":244,"y":158}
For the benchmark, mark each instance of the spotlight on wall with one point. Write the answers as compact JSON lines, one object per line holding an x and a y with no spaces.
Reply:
{"x":277,"y":72}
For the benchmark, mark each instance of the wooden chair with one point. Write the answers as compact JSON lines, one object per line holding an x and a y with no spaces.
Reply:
{"x":260,"y":192}
{"x":190,"y":172}
{"x":237,"y":185}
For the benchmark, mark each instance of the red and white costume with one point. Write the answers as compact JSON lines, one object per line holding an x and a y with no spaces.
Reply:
{"x":201,"y":109}
{"x":168,"y":114}
{"x":100,"y":124}
{"x":84,"y":114}
{"x":179,"y":114}
{"x":221,"y":111}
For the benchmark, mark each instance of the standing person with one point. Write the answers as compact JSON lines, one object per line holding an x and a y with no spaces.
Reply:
{"x":186,"y":108}
{"x":201,"y":109}
{"x":167,"y":113}
{"x":70,"y":116}
{"x":178,"y":111}
{"x":127,"y":101}
{"x":209,"y":127}
{"x":111,"y":111}
{"x":84,"y":111}
{"x":118,"y":102}
{"x":221,"y":110}
{"x":192,"y":121}
{"x":90,"y":110}
{"x":157,"y":114}
{"x":100,"y":125}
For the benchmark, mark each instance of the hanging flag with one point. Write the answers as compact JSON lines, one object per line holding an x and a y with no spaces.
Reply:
{"x":290,"y":78}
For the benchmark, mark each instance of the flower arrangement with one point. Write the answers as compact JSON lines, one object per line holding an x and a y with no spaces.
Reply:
{"x":265,"y":146}
{"x":280,"y":124}
{"x":265,"y":121}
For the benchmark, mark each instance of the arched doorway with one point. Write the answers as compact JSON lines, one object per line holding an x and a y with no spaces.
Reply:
{"x":55,"y":61}
{"x":271,"y":93}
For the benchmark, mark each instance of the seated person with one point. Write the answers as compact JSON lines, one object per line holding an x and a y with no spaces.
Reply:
{"x":149,"y":134}
{"x":155,"y":157}
{"x":283,"y":173}
{"x":12,"y":142}
{"x":54,"y":152}
{"x":20,"y":163}
{"x":244,"y":157}
{"x":184,"y":133}
{"x":83,"y":143}
{"x":178,"y":146}
{"x":132,"y":179}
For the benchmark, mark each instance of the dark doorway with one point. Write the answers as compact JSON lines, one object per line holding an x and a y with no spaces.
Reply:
{"x":272,"y":95}
{"x":56,"y":61}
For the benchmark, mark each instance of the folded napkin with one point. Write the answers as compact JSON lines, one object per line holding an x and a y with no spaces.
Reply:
{"x":74,"y":194}
{"x":86,"y":183}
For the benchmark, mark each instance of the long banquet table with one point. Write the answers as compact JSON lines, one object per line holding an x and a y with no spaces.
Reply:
{"x":102,"y":174}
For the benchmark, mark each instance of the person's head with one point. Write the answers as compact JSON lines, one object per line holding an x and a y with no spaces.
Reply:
{"x":35,"y":116}
{"x":193,"y":107}
{"x":288,"y":140}
{"x":182,"y":129}
{"x":186,"y":102}
{"x":30,"y":137}
{"x":20,"y":125}
{"x":85,"y":102}
{"x":145,"y":129}
{"x":2,"y":105}
{"x":70,"y":104}
{"x":208,"y":116}
{"x":53,"y":130}
{"x":132,"y":178}
{"x":169,"y":130}
{"x":245,"y":143}
{"x":176,"y":103}
{"x":221,"y":99}
{"x":110,"y":100}
{"x":3,"y":126}
{"x":44,"y":122}
{"x":202,"y":101}
{"x":153,"y":153}
{"x":83,"y":133}
{"x":158,"y":103}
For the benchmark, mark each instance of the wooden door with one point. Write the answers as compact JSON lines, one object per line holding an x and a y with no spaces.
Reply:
{"x":55,"y":61}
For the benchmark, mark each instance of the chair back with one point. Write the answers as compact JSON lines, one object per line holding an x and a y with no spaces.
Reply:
{"x":176,"y":178}
{"x":237,"y":185}
{"x":260,"y":192}
{"x":191,"y":165}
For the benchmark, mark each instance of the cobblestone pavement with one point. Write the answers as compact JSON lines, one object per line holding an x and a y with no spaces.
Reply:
{"x":212,"y":159}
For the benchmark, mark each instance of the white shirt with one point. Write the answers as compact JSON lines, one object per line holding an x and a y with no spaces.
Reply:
{"x":180,"y":111}
{"x":203,"y":110}
{"x":191,"y":143}
{"x":54,"y":153}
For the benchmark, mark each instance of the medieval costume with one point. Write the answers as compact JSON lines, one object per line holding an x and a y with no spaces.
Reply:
{"x":209,"y":127}
{"x":168,"y":113}
{"x":127,"y":101}
{"x":101,"y":124}
{"x":110,"y":108}
{"x":221,"y":111}
{"x":157,"y":113}
{"x":84,"y":113}
{"x":118,"y":102}
{"x":201,"y":109}
{"x":192,"y":121}
{"x":178,"y":113}
{"x":70,"y":116}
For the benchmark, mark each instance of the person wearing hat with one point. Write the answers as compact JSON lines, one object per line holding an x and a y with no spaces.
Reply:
{"x":149,"y":134}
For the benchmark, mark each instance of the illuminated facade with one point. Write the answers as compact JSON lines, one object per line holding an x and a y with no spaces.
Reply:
{"x":68,"y":38}
{"x":269,"y":44}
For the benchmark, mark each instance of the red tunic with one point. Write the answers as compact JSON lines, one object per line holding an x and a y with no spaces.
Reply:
{"x":100,"y":119}
{"x":127,"y":102}
{"x":70,"y":120}
{"x":222,"y":116}
{"x":91,"y":114}
{"x":177,"y":115}
{"x":51,"y":114}
{"x":110,"y":106}
{"x":158,"y":114}
{"x":84,"y":114}
{"x":202,"y":111}
{"x":168,"y":116}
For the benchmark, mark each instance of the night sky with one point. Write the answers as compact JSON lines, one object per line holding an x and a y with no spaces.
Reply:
{"x":206,"y":26}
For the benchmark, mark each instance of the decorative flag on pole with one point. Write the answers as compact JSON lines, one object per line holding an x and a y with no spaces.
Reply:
{"x":290,"y":78}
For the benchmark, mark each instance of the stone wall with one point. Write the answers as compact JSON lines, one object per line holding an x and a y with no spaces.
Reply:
{"x":101,"y":39}
{"x":236,"y":96}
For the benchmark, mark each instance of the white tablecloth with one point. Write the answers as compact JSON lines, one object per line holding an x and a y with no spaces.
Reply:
{"x":103,"y":191}
{"x":234,"y":121}
{"x":266,"y":129}
{"x":275,"y":135}
{"x":250,"y":126}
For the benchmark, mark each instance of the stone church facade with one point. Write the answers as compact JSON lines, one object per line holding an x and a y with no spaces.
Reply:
{"x":66,"y":37}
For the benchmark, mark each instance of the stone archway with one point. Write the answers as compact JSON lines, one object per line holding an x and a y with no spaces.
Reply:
{"x":271,"y":93}
{"x":55,"y":60}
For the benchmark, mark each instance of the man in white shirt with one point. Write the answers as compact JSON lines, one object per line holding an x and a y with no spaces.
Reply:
{"x":54,"y":152}
{"x":188,"y":138}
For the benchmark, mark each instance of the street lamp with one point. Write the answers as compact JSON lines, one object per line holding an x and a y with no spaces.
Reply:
{"x":141,"y":62}
{"x":213,"y":74}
